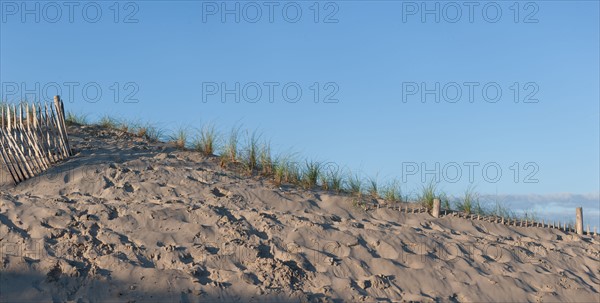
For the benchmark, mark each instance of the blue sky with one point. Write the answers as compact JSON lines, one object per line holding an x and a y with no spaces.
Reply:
{"x":368,"y":56}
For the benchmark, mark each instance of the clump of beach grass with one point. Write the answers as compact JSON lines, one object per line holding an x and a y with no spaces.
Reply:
{"x":279,"y":170}
{"x":355,"y":185}
{"x":310,"y":174}
{"x":470,"y":202}
{"x":292,"y":172}
{"x":285,"y":170}
{"x":331,"y":178}
{"x":143,"y":130}
{"x":373,"y":188}
{"x":179,"y":138}
{"x":251,"y":152}
{"x":444,"y":201}
{"x":76,"y":119}
{"x":428,"y":193}
{"x":500,"y":210}
{"x":230,"y":148}
{"x":126,"y":126}
{"x":266,"y":162}
{"x":393,"y":192}
{"x":108,"y":122}
{"x":150,"y":132}
{"x":206,"y":140}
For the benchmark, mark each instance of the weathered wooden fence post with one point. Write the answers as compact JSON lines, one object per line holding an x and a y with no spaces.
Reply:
{"x":579,"y":222}
{"x":61,"y":126}
{"x":435,"y":212}
{"x":588,"y":230}
{"x":31,"y":140}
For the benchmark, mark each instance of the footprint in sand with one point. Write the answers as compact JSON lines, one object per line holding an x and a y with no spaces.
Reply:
{"x":107,"y":183}
{"x":217,"y":192}
{"x":128,"y":188}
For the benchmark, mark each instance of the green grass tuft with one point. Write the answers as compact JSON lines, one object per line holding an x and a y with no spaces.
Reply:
{"x":230,"y":149}
{"x":179,"y":138}
{"x":251,"y":151}
{"x":373,"y":188}
{"x":266,"y":162}
{"x":428,"y":193}
{"x":355,"y":185}
{"x":107,"y":122}
{"x":76,"y":119}
{"x":331,"y":178}
{"x":206,"y":141}
{"x":393,"y":192}
{"x":470,"y":202}
{"x":151,"y":132}
{"x":289,"y":171}
{"x":310,"y":174}
{"x":279,"y":170}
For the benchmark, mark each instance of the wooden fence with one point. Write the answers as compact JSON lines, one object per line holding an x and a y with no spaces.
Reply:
{"x":437,"y":212}
{"x":32,"y":138}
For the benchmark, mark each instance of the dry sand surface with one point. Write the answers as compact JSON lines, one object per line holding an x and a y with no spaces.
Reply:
{"x":125,"y":220}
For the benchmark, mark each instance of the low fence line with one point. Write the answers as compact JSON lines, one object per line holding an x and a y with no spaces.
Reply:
{"x":437,"y":212}
{"x":32,"y":138}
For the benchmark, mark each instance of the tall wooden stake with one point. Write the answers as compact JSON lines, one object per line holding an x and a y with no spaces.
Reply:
{"x":579,"y":220}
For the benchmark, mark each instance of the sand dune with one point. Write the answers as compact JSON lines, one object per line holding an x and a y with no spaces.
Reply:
{"x":125,"y":220}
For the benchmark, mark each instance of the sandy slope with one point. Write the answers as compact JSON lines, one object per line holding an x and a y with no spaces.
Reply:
{"x":129,"y":221}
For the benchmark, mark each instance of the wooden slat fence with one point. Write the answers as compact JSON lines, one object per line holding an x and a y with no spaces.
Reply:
{"x":415,"y":208}
{"x":32,"y":138}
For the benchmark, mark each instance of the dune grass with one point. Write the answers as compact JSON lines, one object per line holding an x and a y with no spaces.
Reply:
{"x":108,"y":122}
{"x":280,"y":170}
{"x":144,"y":130}
{"x":230,"y":150}
{"x":392,"y":192}
{"x":445,"y":201}
{"x":126,"y":126}
{"x":286,"y":170}
{"x":205,"y":140}
{"x":354,"y":184}
{"x":373,"y":187}
{"x":267,"y":166}
{"x":500,"y":210}
{"x":256,"y":157}
{"x":310,"y":174}
{"x":150,"y":132}
{"x":179,"y":138}
{"x":251,"y":152}
{"x":332,"y":179}
{"x":292,"y":173}
{"x":428,"y":193}
{"x":470,"y":202}
{"x":76,"y":119}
